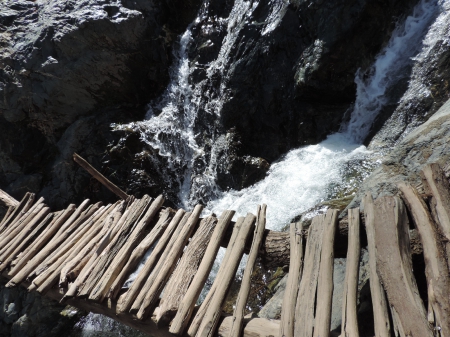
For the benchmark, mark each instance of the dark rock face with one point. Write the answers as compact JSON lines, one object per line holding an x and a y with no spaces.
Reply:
{"x":67,"y":70}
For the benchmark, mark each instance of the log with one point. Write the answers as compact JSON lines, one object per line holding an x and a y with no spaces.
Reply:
{"x":436,"y":271}
{"x":157,"y":281}
{"x":394,"y":266}
{"x":435,"y":183}
{"x":165,"y":217}
{"x":110,"y":252}
{"x":127,"y":299}
{"x":40,"y":242}
{"x":8,"y":213}
{"x":349,"y":326}
{"x":100,"y":177}
{"x":186,"y":307}
{"x":304,"y":310}
{"x":185,"y":271}
{"x":241,"y":301}
{"x":8,"y":200}
{"x":297,"y":236}
{"x":101,"y":289}
{"x":322,"y":322}
{"x":201,"y":312}
{"x":253,"y":327}
{"x":18,"y":211}
{"x":211,"y":319}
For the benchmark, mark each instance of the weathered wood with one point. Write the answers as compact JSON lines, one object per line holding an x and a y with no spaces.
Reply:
{"x":241,"y":301}
{"x":197,"y":320}
{"x":304,"y":310}
{"x":115,"y":245}
{"x":101,"y":289}
{"x":31,"y":251}
{"x":186,"y":307}
{"x":156,"y":282}
{"x":211,"y":319}
{"x":394,"y":266}
{"x":380,"y":308}
{"x":100,"y":177}
{"x":127,"y":299}
{"x":18,"y":211}
{"x":297,"y":235}
{"x":438,"y":278}
{"x":24,"y":238}
{"x":349,"y":326}
{"x":185,"y":270}
{"x":8,"y":213}
{"x":165,"y":217}
{"x":8,"y":200}
{"x":435,"y":183}
{"x":322,"y":321}
{"x":254,"y":327}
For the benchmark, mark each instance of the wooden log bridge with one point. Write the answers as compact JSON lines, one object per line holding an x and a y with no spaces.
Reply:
{"x":88,"y":256}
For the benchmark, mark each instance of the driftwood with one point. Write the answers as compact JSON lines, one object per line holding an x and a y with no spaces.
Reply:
{"x":165,"y":217}
{"x":186,"y":308}
{"x":8,"y":200}
{"x":223,"y":280}
{"x":394,"y":266}
{"x":100,"y":177}
{"x":380,"y":307}
{"x":241,"y":301}
{"x":156,"y":282}
{"x":5,"y":218}
{"x":18,"y":211}
{"x":127,"y":299}
{"x":322,"y":319}
{"x":296,"y":233}
{"x":185,"y":271}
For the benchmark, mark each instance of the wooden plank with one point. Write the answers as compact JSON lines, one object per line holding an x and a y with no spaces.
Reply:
{"x":8,"y":200}
{"x":100,"y":177}
{"x":201,"y":312}
{"x":41,"y":241}
{"x":304,"y":309}
{"x":435,"y":183}
{"x":165,"y":216}
{"x":18,"y":211}
{"x":394,"y":265}
{"x":100,"y":291}
{"x":185,"y":271}
{"x":437,"y":273}
{"x":379,"y":302}
{"x":186,"y":307}
{"x":349,"y":326}
{"x":156,"y":282}
{"x":211,"y":319}
{"x":322,"y":320}
{"x":127,"y":299}
{"x":241,"y":302}
{"x":110,"y":252}
{"x":297,"y":238}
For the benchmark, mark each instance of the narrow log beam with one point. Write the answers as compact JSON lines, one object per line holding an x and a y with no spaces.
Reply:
{"x":8,"y":200}
{"x":100,"y":177}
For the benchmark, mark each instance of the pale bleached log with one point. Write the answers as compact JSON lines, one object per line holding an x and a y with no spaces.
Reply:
{"x":322,"y":321}
{"x":127,"y":299}
{"x":18,"y":211}
{"x":5,"y":218}
{"x":380,"y":307}
{"x":438,"y":278}
{"x":349,"y":326}
{"x":31,"y":251}
{"x":100,"y":291}
{"x":304,"y":309}
{"x":114,"y":246}
{"x":8,"y":200}
{"x":394,"y":265}
{"x":112,"y":223}
{"x":211,"y":319}
{"x":24,"y":239}
{"x":157,"y":231}
{"x":157,"y":281}
{"x":297,"y":237}
{"x":253,"y":327}
{"x":185,"y":271}
{"x":186,"y":308}
{"x":197,"y":320}
{"x":241,"y":302}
